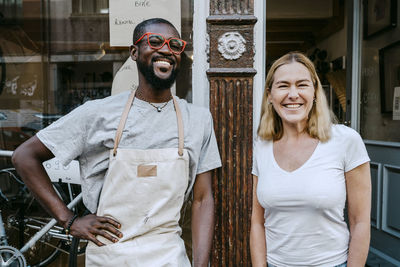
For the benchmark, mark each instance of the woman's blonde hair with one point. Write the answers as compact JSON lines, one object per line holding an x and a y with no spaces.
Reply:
{"x":320,"y":117}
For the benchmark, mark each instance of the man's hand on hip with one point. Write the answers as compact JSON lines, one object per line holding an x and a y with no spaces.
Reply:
{"x":90,"y":226}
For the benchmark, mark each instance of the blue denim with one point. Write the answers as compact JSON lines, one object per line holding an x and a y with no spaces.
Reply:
{"x":340,"y":265}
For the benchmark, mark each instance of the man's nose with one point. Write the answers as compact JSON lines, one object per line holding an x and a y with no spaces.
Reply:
{"x":165,"y":49}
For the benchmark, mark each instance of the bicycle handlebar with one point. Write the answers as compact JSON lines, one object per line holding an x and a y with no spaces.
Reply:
{"x":48,"y":226}
{"x":6,"y":153}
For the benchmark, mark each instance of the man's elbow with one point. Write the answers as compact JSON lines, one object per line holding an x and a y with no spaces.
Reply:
{"x":30,"y":152}
{"x":26,"y":153}
{"x":18,"y":156}
{"x":206,"y":200}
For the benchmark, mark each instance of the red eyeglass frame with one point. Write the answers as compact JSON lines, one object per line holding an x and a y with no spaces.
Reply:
{"x":165,"y":41}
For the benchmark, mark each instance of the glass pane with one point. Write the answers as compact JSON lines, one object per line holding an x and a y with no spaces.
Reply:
{"x":184,"y":79}
{"x":380,"y":77}
{"x":53,"y":60}
{"x":316,"y":28}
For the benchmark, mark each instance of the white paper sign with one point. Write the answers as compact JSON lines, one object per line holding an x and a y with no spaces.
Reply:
{"x":67,"y":174}
{"x":396,"y":104}
{"x":126,"y":77}
{"x":126,"y":14}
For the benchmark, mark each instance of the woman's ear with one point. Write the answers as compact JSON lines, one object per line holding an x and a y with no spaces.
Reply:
{"x":268,"y":92}
{"x":133,"y":52}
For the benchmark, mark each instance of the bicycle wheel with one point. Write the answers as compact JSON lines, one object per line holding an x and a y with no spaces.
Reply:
{"x":11,"y":257}
{"x":23,"y":217}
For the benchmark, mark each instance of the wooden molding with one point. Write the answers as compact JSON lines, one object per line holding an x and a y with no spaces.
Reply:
{"x":233,"y":72}
{"x":232,"y":19}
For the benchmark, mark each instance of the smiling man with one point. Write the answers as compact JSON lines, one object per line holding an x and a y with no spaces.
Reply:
{"x":141,"y":153}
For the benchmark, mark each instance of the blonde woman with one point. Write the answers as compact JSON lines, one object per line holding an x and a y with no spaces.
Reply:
{"x":305,"y":167}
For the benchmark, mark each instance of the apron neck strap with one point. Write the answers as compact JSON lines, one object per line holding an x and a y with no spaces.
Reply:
{"x":124,"y":117}
{"x":180,"y":126}
{"x":121,"y":125}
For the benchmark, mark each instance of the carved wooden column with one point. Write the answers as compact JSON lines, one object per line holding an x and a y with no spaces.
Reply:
{"x":230,"y":29}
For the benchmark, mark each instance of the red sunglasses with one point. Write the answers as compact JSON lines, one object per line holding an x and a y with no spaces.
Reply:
{"x":156,"y":41}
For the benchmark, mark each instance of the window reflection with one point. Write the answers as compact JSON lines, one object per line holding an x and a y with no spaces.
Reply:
{"x":85,"y":7}
{"x":55,"y":55}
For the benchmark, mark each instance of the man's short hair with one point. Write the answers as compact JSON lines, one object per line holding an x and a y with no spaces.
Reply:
{"x":140,"y":29}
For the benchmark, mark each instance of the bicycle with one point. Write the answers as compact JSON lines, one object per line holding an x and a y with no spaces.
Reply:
{"x":25,"y":218}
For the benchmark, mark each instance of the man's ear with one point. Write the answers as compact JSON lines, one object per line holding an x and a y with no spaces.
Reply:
{"x":133,"y":52}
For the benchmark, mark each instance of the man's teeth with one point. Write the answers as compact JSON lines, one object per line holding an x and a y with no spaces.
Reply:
{"x":293,"y":105}
{"x":163,"y":62}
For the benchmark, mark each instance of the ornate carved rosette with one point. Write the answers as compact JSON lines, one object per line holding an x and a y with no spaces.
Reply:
{"x":231,"y":45}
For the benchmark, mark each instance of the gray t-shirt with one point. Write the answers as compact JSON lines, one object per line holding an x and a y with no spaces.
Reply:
{"x":87,"y":134}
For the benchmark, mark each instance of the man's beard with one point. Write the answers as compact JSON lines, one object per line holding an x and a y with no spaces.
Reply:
{"x":156,"y":82}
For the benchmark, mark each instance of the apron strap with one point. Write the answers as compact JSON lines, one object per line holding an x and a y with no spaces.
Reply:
{"x":121,"y":125}
{"x":180,"y":127}
{"x":124,"y":116}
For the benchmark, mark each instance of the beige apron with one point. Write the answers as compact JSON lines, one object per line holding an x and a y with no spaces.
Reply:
{"x":144,"y":191}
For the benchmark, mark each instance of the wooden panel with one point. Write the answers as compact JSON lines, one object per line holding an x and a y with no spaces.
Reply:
{"x":385,"y":241}
{"x":376,"y":203}
{"x":230,"y":7}
{"x":231,"y":102}
{"x":391,"y":187}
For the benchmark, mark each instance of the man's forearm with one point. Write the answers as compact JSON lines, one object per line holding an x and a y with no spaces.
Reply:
{"x":27,"y":160}
{"x":202,"y":230}
{"x":43,"y":191}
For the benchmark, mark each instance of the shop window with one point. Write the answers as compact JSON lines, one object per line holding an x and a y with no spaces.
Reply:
{"x":52,"y":62}
{"x":380,"y":73}
{"x":80,"y":82}
{"x":318,"y":29}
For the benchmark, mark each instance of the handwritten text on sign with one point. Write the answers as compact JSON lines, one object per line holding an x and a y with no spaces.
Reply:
{"x":126,"y":14}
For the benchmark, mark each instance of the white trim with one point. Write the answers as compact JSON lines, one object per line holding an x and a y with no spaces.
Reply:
{"x":381,"y":143}
{"x":23,"y":59}
{"x":200,"y":84}
{"x":259,"y":61}
{"x":356,"y":67}
{"x":89,"y":57}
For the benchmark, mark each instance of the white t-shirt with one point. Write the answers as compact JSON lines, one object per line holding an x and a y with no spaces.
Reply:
{"x":87,"y":134}
{"x":304,"y":224}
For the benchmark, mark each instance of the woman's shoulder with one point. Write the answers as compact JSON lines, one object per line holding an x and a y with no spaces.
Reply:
{"x":259,"y":142}
{"x":342,"y":129}
{"x":344,"y":133}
